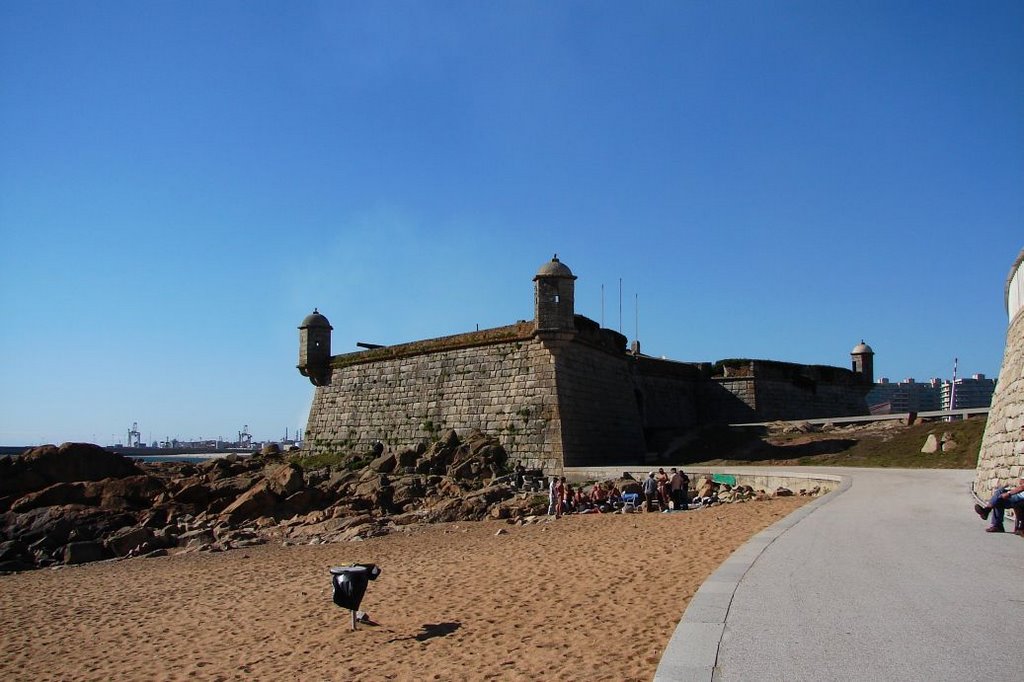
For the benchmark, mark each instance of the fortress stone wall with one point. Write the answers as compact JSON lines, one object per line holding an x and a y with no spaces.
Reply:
{"x":776,"y":390}
{"x":500,"y":381}
{"x":1001,"y":459}
{"x":743,"y":391}
{"x":556,"y":391}
{"x":598,"y":409}
{"x":669,"y":397}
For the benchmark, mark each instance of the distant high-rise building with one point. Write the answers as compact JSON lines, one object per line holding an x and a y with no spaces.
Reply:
{"x":912,"y":396}
{"x":974,"y":392}
{"x":905,"y":396}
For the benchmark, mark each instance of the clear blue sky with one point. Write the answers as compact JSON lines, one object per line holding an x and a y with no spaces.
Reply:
{"x":182,"y":182}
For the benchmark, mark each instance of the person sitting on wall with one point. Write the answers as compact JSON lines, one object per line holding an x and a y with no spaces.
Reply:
{"x":1002,"y":498}
{"x":518,"y":475}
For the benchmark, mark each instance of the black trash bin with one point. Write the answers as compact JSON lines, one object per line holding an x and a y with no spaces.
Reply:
{"x":350,"y":585}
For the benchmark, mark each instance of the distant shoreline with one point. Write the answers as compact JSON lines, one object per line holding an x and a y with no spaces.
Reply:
{"x":148,"y":454}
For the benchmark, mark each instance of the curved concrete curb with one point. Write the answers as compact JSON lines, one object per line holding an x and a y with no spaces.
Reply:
{"x":692,"y":652}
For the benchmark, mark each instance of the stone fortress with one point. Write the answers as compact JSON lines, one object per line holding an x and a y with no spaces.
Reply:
{"x":557,"y":391}
{"x":1001,"y":459}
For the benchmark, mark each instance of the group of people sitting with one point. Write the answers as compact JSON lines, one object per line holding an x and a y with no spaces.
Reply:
{"x":603,"y":498}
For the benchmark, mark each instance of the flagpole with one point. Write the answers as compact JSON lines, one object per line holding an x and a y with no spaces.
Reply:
{"x":952,"y":389}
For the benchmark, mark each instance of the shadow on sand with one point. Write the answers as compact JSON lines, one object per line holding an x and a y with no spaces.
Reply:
{"x":430,"y":630}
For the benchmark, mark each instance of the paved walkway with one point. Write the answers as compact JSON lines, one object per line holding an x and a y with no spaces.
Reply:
{"x":892,"y":577}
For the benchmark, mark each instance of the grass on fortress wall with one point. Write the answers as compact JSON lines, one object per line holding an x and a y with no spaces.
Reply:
{"x":882,"y":444}
{"x":332,"y":460}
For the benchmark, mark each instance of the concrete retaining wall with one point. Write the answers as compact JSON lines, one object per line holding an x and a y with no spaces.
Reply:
{"x":759,"y":480}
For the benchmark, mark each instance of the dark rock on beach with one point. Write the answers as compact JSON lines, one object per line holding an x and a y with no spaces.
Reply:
{"x":78,"y":502}
{"x":46,"y":465}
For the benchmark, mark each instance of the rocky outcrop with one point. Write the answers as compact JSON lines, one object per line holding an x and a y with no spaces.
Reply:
{"x":132,"y":492}
{"x":79,"y":503}
{"x":46,"y":465}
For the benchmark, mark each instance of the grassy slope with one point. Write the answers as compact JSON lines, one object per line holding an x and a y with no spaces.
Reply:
{"x":899,"y":448}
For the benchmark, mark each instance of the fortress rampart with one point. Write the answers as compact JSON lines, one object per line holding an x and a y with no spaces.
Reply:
{"x":499,"y":381}
{"x":557,"y":391}
{"x":767,"y":390}
{"x":1001,"y":459}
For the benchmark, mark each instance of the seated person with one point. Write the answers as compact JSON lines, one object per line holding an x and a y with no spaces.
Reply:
{"x":581,"y":499}
{"x":598,"y":495}
{"x":518,"y":475}
{"x":614,"y":497}
{"x":569,"y":501}
{"x":585,"y":503}
{"x":1002,"y":498}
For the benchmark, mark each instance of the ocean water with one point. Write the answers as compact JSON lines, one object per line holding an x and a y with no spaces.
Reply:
{"x":180,"y":458}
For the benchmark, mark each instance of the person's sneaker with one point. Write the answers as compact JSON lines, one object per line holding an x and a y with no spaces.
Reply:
{"x":995,"y":529}
{"x":982,"y":511}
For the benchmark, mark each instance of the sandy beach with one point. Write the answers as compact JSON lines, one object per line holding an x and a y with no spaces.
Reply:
{"x":593,"y":597}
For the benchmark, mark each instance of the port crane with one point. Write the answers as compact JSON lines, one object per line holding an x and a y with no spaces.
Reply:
{"x":244,"y":437}
{"x":134,"y":436}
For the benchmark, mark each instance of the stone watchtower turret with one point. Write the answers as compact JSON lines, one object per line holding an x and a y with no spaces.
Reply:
{"x":864,"y":361}
{"x":315,"y":348}
{"x":554,"y":297}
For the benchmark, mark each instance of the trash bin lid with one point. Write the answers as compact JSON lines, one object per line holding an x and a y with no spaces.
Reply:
{"x":339,"y":570}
